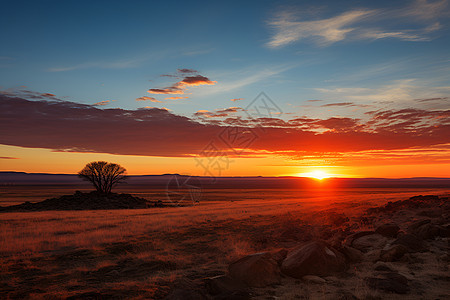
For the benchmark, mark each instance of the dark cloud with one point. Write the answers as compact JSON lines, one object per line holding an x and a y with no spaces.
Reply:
{"x":339,"y":104}
{"x":68,"y":126}
{"x":218,"y":113}
{"x":7,"y":157}
{"x":102,"y":103}
{"x":433,"y":99}
{"x":187,"y":71}
{"x":179,"y":87}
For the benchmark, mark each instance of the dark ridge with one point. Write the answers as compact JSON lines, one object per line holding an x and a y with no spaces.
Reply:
{"x":85,"y":201}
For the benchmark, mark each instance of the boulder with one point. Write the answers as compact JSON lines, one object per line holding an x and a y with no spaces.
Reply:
{"x":381,"y":266}
{"x":369,"y":242}
{"x":388,"y":230}
{"x":256,"y":270}
{"x":389,"y":282}
{"x":394,"y":253}
{"x":314,"y":258}
{"x":351,"y":254}
{"x":349,"y":240}
{"x":279,"y":255}
{"x":410,"y":241}
{"x":313,"y":279}
{"x":223,"y":284}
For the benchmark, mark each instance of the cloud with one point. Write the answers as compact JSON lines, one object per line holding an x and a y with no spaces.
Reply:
{"x":186,"y":71}
{"x":218,"y":112}
{"x":237,"y":99}
{"x":121,"y":64}
{"x":358,"y":24}
{"x":7,"y":157}
{"x":146,"y":98}
{"x":166,"y":91}
{"x":175,"y":98}
{"x":103,"y":103}
{"x":74,"y":127}
{"x":326,"y":31}
{"x":179,"y":87}
{"x":339,"y":104}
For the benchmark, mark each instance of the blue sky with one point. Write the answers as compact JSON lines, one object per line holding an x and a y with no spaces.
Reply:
{"x":293,"y":50}
{"x":357,"y":82}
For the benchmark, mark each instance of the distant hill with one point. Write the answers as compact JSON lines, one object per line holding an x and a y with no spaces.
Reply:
{"x":162,"y":181}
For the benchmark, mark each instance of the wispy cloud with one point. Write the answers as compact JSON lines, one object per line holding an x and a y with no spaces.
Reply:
{"x":122,"y":64}
{"x":357,"y":24}
{"x":146,"y":98}
{"x":179,"y":87}
{"x":175,"y":98}
{"x":103,"y":103}
{"x":237,"y":99}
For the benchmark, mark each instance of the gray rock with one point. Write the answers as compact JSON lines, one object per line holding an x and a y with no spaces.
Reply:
{"x":389,"y":282}
{"x":256,"y":270}
{"x":410,"y":241}
{"x":394,"y":253}
{"x":388,"y":230}
{"x":223,"y":284}
{"x":314,"y":258}
{"x":351,"y":254}
{"x":370,"y":242}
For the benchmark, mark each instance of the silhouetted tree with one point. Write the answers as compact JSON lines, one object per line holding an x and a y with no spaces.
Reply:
{"x":103,"y":175}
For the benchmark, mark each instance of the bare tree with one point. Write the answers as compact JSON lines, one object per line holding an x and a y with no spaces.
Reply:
{"x":103,"y":175}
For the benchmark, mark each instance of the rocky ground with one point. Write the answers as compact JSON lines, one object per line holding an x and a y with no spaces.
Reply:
{"x":395,"y":251}
{"x":84,"y":201}
{"x":406,"y":257}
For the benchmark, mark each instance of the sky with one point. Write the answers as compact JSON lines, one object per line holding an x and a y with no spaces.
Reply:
{"x":229,"y":88}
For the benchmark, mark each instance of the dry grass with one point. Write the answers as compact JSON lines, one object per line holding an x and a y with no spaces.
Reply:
{"x":140,"y":253}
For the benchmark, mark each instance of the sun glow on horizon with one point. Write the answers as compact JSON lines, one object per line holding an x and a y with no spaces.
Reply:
{"x":316,"y":174}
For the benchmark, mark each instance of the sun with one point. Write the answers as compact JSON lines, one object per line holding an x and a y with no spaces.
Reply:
{"x":317,"y":174}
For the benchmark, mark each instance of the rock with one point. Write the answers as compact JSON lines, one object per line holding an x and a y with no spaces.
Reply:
{"x":417,"y":224}
{"x":389,"y":282}
{"x":313,"y":279}
{"x":256,"y":270}
{"x":369,"y":242}
{"x":380,"y":266}
{"x":186,"y":290}
{"x":428,"y":231}
{"x":314,"y":258}
{"x":223,"y":284}
{"x":349,"y":240}
{"x":388,"y":230}
{"x":394,"y":253}
{"x":89,"y":296}
{"x":351,"y":254}
{"x":410,"y":241}
{"x":279,"y":255}
{"x":345,"y":295}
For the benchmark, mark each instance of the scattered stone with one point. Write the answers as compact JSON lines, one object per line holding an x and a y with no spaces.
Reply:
{"x":410,"y":241}
{"x":388,"y":230}
{"x":256,"y":270}
{"x":313,"y":279}
{"x":89,"y":296}
{"x":345,"y":295}
{"x":394,"y":253}
{"x":314,"y":258}
{"x":389,"y":282}
{"x":349,"y":240}
{"x":382,"y":267}
{"x":223,"y":284}
{"x":351,"y":254}
{"x":369,"y":242}
{"x":279,"y":255}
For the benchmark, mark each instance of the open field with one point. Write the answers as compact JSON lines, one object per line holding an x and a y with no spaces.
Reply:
{"x":146,"y":253}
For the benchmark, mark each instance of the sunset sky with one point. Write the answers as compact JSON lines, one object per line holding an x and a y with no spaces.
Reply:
{"x":229,"y":88}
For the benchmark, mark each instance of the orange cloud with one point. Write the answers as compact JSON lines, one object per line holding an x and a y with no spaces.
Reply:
{"x":179,"y":87}
{"x":145,"y":98}
{"x":102,"y":103}
{"x":175,"y":98}
{"x":237,"y":99}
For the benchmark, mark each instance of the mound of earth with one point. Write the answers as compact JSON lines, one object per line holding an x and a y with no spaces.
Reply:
{"x":84,"y":201}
